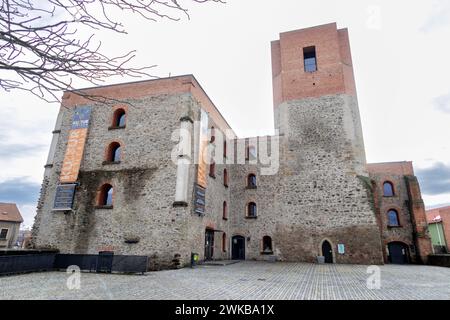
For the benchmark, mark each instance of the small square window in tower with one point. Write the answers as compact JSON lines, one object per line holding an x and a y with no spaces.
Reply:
{"x":310,"y":59}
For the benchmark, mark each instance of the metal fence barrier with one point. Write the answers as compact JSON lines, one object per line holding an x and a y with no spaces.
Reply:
{"x":103,"y":262}
{"x":26,"y":263}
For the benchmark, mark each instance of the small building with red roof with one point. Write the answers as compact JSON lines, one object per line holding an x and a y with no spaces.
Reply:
{"x":10,"y":220}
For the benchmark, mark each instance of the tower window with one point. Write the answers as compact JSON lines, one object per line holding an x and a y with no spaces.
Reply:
{"x":251,"y":210}
{"x":388,"y":189}
{"x":213,"y":135}
{"x":251,"y":181}
{"x":119,"y":119}
{"x":310,"y":59}
{"x":225,"y":177}
{"x":225,"y":211}
{"x":106,"y":195}
{"x":114,"y":152}
{"x":212,"y":170}
{"x":393,"y":218}
{"x":267,"y":244}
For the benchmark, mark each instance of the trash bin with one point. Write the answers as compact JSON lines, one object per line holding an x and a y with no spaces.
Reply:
{"x":320,"y":259}
{"x":194,"y":259}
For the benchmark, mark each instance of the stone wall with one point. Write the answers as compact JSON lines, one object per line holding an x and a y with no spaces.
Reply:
{"x":319,"y":192}
{"x":144,"y":184}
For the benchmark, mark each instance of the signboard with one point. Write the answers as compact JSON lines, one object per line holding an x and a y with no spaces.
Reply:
{"x":202,"y":167}
{"x":341,"y":249}
{"x":199,"y":199}
{"x":203,"y":149}
{"x":65,"y":194}
{"x":81,"y":117}
{"x":75,"y":145}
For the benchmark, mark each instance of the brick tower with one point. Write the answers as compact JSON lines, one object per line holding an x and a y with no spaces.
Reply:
{"x":325,"y":199}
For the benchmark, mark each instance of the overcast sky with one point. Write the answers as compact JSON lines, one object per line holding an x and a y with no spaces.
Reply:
{"x":400,"y":51}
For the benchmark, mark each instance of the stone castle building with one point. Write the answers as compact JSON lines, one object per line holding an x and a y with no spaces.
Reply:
{"x":113,"y":181}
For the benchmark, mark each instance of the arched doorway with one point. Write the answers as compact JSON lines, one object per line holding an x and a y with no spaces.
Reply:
{"x":398,"y":253}
{"x":327,"y":251}
{"x":238,"y":248}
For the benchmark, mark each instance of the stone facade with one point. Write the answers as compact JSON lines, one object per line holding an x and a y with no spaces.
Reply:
{"x":320,"y":192}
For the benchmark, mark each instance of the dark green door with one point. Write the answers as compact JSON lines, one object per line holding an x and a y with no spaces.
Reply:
{"x":209,"y":244}
{"x":238,"y":248}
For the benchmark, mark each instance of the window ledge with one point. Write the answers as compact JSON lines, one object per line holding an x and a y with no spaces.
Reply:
{"x":212,"y":176}
{"x":105,"y":163}
{"x":394,"y":227}
{"x":225,"y":185}
{"x":115,"y":128}
{"x":103,"y":207}
{"x":251,"y":187}
{"x":267,"y":252}
{"x":225,"y":218}
{"x":248,"y":217}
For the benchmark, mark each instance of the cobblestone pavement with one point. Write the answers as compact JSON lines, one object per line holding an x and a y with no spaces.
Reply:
{"x":244,"y":280}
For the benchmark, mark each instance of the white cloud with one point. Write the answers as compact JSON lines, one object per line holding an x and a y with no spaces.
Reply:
{"x":439,"y":17}
{"x":442,"y":103}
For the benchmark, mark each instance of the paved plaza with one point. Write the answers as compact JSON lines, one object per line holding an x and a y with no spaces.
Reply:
{"x":243,"y":280}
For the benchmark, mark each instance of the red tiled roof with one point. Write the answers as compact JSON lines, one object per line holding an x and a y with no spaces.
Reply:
{"x":10,"y":213}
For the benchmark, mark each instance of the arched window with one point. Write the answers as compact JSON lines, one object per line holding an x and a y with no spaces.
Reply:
{"x":251,"y":210}
{"x":267,"y":244}
{"x":393,"y":218}
{"x":106,"y":195}
{"x":251,"y":181}
{"x":388,"y":189}
{"x":213,"y":134}
{"x":225,"y":210}
{"x":119,"y":118}
{"x":224,"y":242}
{"x":212,"y":169}
{"x":225,"y":177}
{"x":114,"y":152}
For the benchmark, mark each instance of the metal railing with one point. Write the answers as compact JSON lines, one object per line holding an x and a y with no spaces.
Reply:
{"x":22,"y":263}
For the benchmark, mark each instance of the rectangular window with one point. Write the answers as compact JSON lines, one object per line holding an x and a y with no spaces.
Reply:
{"x":310,"y":59}
{"x":3,"y":233}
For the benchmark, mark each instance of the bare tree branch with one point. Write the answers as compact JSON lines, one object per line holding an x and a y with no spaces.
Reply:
{"x":41,"y":50}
